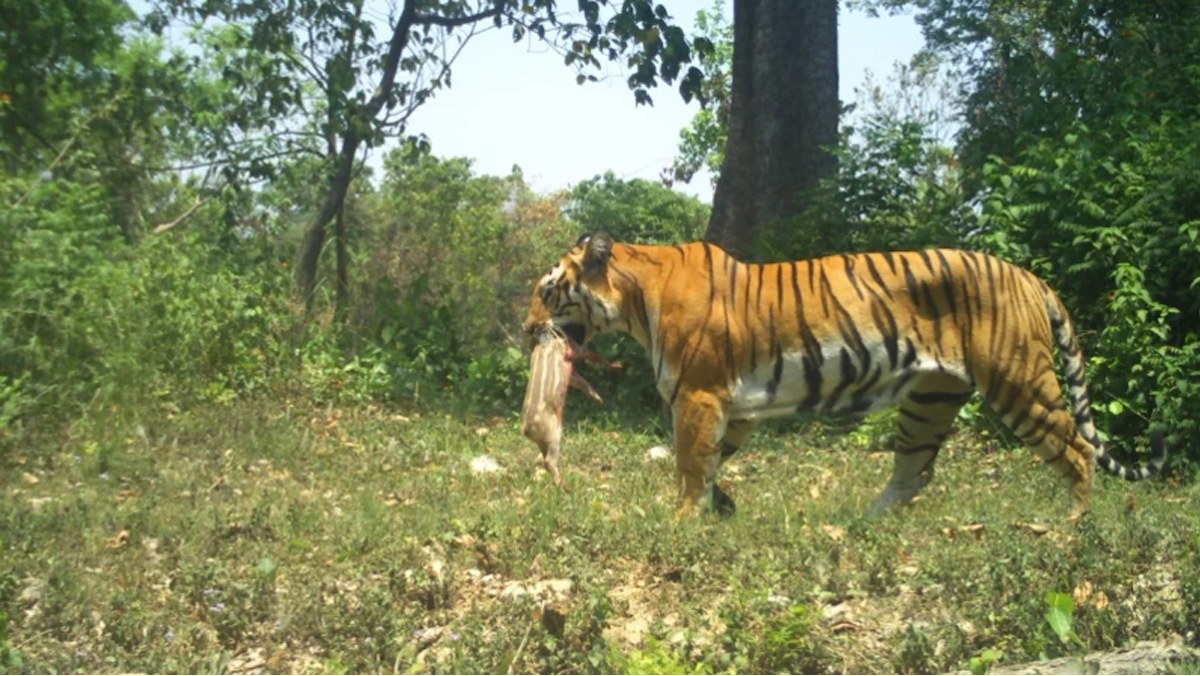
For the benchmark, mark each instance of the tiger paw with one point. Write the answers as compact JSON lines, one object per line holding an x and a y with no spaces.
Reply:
{"x":721,"y":503}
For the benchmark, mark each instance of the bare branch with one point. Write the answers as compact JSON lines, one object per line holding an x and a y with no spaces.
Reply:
{"x":167,"y":226}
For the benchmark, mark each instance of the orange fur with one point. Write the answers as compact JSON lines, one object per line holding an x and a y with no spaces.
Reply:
{"x":732,"y":343}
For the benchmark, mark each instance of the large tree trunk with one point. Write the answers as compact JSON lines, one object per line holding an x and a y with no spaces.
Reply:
{"x":784,"y":111}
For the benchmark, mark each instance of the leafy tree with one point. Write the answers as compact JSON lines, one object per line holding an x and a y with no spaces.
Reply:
{"x":371,"y":83}
{"x":636,"y":210}
{"x":53,"y":57}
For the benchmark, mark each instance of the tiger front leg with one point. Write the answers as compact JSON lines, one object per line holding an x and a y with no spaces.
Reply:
{"x":737,"y":434}
{"x":699,"y":426}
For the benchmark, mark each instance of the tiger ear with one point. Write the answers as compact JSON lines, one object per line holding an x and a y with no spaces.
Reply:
{"x":596,"y":252}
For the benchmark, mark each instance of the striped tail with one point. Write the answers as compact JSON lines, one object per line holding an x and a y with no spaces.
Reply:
{"x":1081,"y":404}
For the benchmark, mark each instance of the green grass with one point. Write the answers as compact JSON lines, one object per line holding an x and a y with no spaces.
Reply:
{"x":277,"y":537}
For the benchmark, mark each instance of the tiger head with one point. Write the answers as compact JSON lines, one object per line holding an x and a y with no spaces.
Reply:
{"x":576,"y":296}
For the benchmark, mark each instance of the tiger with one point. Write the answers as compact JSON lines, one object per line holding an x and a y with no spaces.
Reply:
{"x":732,"y":343}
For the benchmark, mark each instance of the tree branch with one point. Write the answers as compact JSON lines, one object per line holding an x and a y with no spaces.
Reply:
{"x":167,"y":226}
{"x":454,"y":22}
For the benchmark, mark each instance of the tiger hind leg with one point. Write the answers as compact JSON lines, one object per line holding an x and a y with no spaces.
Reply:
{"x":927,"y":413}
{"x":1048,"y":427}
{"x":1027,"y":395}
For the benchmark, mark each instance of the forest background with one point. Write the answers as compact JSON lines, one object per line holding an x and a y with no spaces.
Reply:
{"x":175,"y":248}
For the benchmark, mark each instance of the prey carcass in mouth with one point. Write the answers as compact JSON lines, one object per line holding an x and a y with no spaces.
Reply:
{"x":551,"y":374}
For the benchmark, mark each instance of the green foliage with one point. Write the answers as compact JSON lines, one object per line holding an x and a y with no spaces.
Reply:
{"x":702,"y":142}
{"x":984,"y":662}
{"x":1061,"y":617}
{"x":636,"y":210}
{"x":898,"y":185}
{"x":658,"y":658}
{"x":55,"y":58}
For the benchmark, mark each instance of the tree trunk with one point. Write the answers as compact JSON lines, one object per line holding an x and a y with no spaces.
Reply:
{"x":314,"y":238}
{"x":784,"y":110}
{"x":342,"y":309}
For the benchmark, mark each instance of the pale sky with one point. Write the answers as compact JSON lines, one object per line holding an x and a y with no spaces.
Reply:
{"x":518,"y":104}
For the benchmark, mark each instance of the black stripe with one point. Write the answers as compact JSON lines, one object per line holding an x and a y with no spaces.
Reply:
{"x":733,"y":285}
{"x":924,"y":254}
{"x":712,"y":274}
{"x":918,"y":418}
{"x":822,"y":293}
{"x":848,"y":262}
{"x":947,"y":281}
{"x":887,"y":256}
{"x":746,"y":304}
{"x":887,"y":330}
{"x":849,"y":374}
{"x":903,"y":380}
{"x":876,"y":276}
{"x":911,"y":282}
{"x":758,"y":294}
{"x":812,"y":358}
{"x":846,"y":325}
{"x":920,"y":448}
{"x":937,"y":315}
{"x":779,"y":287}
{"x":926,"y":398}
{"x":868,"y":384}
{"x":777,"y":353}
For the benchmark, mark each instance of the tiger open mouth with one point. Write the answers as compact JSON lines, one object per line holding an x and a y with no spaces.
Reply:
{"x":576,"y":332}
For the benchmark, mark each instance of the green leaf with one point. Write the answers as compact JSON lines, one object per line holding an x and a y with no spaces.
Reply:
{"x":1116,"y":407}
{"x":1061,"y":614}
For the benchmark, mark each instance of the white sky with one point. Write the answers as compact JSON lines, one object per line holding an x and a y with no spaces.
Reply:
{"x":518,"y":104}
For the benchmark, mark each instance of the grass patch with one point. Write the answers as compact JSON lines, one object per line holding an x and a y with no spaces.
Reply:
{"x":272,"y":537}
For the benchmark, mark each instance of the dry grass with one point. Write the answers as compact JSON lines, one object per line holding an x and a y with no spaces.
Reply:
{"x":274,"y":537}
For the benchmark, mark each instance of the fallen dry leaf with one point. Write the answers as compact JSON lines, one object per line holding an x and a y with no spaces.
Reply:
{"x":975,"y":529}
{"x":118,"y":541}
{"x":1082,"y":592}
{"x":842,"y":626}
{"x":1035,"y":528}
{"x":836,"y":534}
